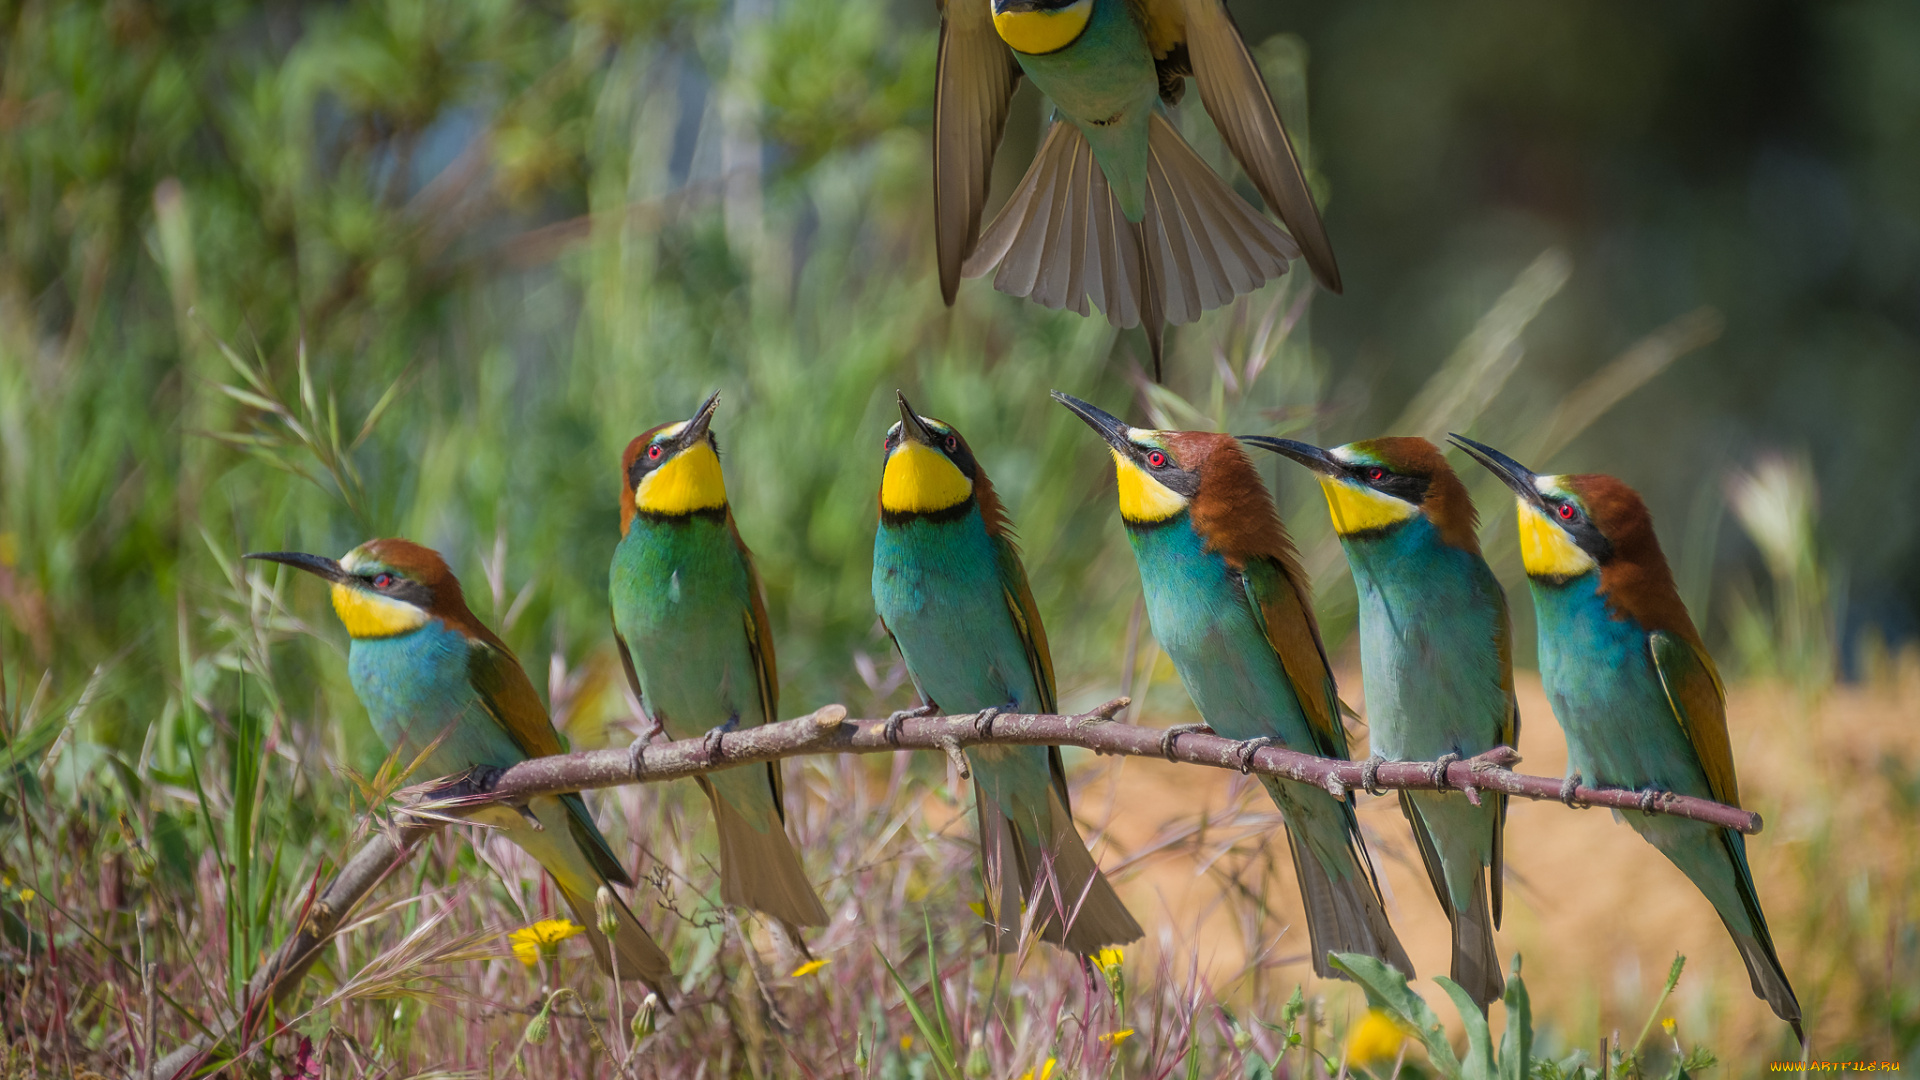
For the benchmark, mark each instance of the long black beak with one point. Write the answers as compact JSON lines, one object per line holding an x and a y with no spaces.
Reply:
{"x":1110,"y":427}
{"x":317,"y":565}
{"x":1515,"y":475}
{"x":912,"y":426}
{"x":696,"y":428}
{"x":1305,"y":453}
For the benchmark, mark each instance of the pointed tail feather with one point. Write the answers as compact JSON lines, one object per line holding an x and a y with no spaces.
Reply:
{"x":1343,"y":914}
{"x":1063,"y":242}
{"x":1078,"y":892}
{"x":760,"y":869}
{"x":640,"y":958}
{"x":1004,"y":870}
{"x":1476,"y":964}
{"x":1764,"y":970}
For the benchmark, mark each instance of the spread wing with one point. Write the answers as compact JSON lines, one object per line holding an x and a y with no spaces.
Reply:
{"x":1033,"y":634}
{"x":1281,"y":611}
{"x":1237,"y":99}
{"x":973,"y":86}
{"x":1700,"y":705}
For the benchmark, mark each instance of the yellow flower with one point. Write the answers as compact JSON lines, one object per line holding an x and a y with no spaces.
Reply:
{"x":1668,"y":1025}
{"x":808,"y":968}
{"x":1046,"y":1070}
{"x":1117,"y":1037}
{"x":906,"y":1043}
{"x":27,"y":895}
{"x":1377,"y":1037}
{"x":528,"y":941}
{"x":1109,"y":958}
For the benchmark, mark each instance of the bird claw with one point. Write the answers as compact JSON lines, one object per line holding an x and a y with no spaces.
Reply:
{"x":891,"y":728}
{"x":1649,"y":799}
{"x":1567,"y":788}
{"x":1174,"y":732}
{"x":711,"y":749}
{"x":1250,"y":747}
{"x":1437,"y":772}
{"x":983,"y":720}
{"x":1370,"y":774}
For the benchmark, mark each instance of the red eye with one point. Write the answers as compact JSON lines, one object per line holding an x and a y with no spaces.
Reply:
{"x":381,"y":581}
{"x":1566,"y":511}
{"x":653,"y":453}
{"x":1156,"y":459}
{"x":1376,"y":474}
{"x":952,"y":444}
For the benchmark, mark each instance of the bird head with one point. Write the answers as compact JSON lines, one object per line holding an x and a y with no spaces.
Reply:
{"x":383,"y":588}
{"x":1567,"y":522}
{"x":1158,"y":472}
{"x":673,"y":470}
{"x":1376,"y":485}
{"x":930,"y":470}
{"x":1037,"y":27}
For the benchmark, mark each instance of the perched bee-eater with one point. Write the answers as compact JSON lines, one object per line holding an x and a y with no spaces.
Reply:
{"x":1228,"y":602}
{"x":433,"y":676}
{"x":1636,"y":693}
{"x":950,"y":589}
{"x":1436,"y":659}
{"x":1116,"y":207}
{"x":692,"y":628}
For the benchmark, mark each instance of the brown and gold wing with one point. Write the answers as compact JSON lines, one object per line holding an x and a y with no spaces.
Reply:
{"x":974,"y":84}
{"x":1280,"y":608}
{"x":1700,"y":705}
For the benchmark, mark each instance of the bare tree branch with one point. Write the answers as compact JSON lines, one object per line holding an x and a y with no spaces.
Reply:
{"x":828,"y":731}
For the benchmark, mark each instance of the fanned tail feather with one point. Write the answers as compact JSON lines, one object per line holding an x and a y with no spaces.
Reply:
{"x":1062,"y":240}
{"x":1343,"y":915}
{"x":760,"y":869}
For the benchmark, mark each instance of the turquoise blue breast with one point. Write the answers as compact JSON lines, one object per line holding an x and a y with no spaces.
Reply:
{"x":416,"y":688}
{"x":1202,"y":618}
{"x":1598,"y":672}
{"x":681,"y":596}
{"x":1431,"y":616}
{"x":937,"y":586}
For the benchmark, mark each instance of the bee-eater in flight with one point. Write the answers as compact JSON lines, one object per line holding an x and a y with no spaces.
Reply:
{"x":433,"y":676}
{"x":950,"y":589}
{"x":1228,"y":603}
{"x":1640,"y":700}
{"x":1436,"y":661}
{"x":1116,"y":208}
{"x":692,"y":628}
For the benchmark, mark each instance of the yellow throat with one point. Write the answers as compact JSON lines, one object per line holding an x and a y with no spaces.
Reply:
{"x":1038,"y":32}
{"x":1359,"y":509}
{"x":1545,"y":548}
{"x":1144,"y":500}
{"x":921,"y":480}
{"x":370,"y":615}
{"x":687,"y":483}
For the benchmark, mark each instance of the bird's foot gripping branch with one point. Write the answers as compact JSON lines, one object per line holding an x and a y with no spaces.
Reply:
{"x":829,"y":731}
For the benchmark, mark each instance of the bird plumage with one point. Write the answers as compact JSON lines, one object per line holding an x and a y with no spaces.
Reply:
{"x":437,"y":681}
{"x":950,"y":588}
{"x":1228,"y":603}
{"x":691,"y":625}
{"x":1116,"y":209}
{"x":1633,"y":686}
{"x":1436,"y":662}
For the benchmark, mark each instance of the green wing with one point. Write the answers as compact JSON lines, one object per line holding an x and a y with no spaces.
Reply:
{"x":1700,"y":705}
{"x":1033,"y":634}
{"x":1280,"y":610}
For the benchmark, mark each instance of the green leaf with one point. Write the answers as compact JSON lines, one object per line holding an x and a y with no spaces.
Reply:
{"x":1479,"y":1061}
{"x":1387,"y":989}
{"x":929,"y":1031}
{"x":1516,"y":1044}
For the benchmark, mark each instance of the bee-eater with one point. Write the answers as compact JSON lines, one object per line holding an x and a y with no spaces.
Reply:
{"x":1436,"y":660}
{"x":1116,"y":207}
{"x":950,"y":588}
{"x":692,"y":628}
{"x":434,"y":677}
{"x":1228,"y":603}
{"x":1636,"y":693}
